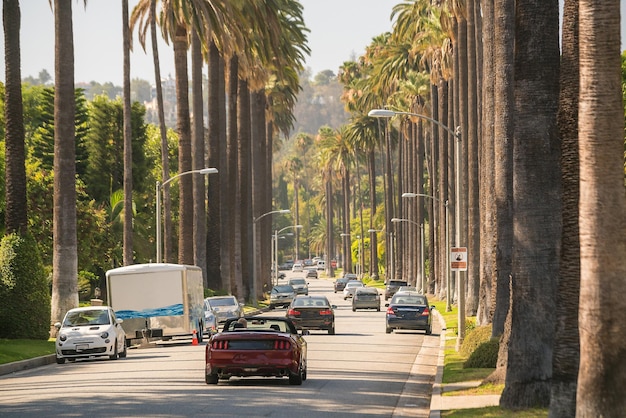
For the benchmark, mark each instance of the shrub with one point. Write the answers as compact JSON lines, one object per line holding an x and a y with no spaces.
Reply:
{"x":24,"y":291}
{"x":485,"y":355}
{"x":474,"y":338}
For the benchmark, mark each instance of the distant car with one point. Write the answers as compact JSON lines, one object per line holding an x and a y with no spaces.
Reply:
{"x":264,"y":346}
{"x":321,"y":265}
{"x":281,"y":295}
{"x":210,"y":322}
{"x":340,"y":283}
{"x":392,"y":287}
{"x":351,"y":286}
{"x":366,"y":298}
{"x":312,"y":312}
{"x":297,"y":267}
{"x":407,"y":289}
{"x":87,"y":332}
{"x":409,"y":310}
{"x":310,"y":272}
{"x":300,"y":285}
{"x":224,"y":307}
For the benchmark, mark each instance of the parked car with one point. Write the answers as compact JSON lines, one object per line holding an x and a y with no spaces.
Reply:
{"x":312,"y":312}
{"x":297,"y":267}
{"x":311,"y":272}
{"x":281,"y":295}
{"x":409,"y":310}
{"x":392,"y":287}
{"x":366,"y":298}
{"x":351,"y":286}
{"x":258,"y":346}
{"x":224,"y":307}
{"x":300,"y":285}
{"x":87,"y":332}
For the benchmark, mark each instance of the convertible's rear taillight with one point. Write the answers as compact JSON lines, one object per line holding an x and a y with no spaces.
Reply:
{"x":220,"y":345}
{"x":326,"y":312}
{"x":282,"y":345}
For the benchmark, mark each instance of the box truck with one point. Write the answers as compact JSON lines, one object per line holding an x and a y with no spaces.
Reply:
{"x":157,"y":301}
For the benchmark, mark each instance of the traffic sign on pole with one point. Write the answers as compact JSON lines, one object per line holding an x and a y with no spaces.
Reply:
{"x":458,"y":258}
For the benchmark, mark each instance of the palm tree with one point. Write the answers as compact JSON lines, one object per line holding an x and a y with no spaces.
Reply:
{"x":602,"y":372}
{"x":64,"y":252}
{"x":566,"y":355}
{"x":16,"y":219}
{"x":128,"y":143}
{"x":536,"y":206}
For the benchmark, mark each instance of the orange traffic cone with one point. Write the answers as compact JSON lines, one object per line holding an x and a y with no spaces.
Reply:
{"x":194,"y":339}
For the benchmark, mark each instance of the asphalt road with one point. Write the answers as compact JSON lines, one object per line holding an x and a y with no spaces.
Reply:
{"x":360,"y":371}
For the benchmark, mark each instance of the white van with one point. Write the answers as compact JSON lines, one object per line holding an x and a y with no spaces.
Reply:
{"x":321,"y":265}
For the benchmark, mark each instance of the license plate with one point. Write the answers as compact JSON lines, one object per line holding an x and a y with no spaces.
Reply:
{"x":82,"y":347}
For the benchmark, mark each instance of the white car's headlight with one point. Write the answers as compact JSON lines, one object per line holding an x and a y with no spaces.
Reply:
{"x":62,"y":337}
{"x":104,"y":335}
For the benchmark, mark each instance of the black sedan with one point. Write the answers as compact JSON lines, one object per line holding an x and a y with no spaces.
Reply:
{"x":409,"y":310}
{"x":312,"y":312}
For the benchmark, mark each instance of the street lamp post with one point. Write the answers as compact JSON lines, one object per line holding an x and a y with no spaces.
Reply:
{"x":254,"y":262}
{"x":275,"y":259}
{"x":448,"y":280}
{"x":386,"y":113}
{"x":159,"y":186}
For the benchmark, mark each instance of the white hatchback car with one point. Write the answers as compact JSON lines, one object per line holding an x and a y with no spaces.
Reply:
{"x":91,"y":331}
{"x":351,"y":286}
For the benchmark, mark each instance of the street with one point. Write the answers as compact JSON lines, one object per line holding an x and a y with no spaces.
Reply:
{"x":360,"y":371}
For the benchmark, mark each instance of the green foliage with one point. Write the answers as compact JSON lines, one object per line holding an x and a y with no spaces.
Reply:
{"x":485,"y":355}
{"x":23,"y":349}
{"x":480,"y":349}
{"x":24,"y":293}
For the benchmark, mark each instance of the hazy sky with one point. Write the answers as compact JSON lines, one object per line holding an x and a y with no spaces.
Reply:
{"x":339,"y":31}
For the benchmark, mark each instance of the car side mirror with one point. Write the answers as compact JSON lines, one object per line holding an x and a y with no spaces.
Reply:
{"x":57,"y":325}
{"x":432,"y":307}
{"x":119,"y":320}
{"x":386,"y":305}
{"x":333,"y":306}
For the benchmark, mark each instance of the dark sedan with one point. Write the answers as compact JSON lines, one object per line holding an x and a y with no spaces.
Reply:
{"x":257,"y":346}
{"x":409,"y":310}
{"x":312,"y":312}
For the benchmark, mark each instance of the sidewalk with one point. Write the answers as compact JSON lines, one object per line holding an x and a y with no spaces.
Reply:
{"x":439,"y":402}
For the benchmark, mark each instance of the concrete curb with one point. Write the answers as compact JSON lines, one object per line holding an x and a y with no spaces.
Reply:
{"x":17,"y":366}
{"x":435,"y":400}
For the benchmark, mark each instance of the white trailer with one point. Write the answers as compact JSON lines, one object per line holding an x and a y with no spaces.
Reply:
{"x":157,"y":300}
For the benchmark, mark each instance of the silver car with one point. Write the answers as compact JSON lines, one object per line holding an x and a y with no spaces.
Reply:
{"x":366,"y":298}
{"x":281,"y":295}
{"x":300,"y":285}
{"x":224,"y":308}
{"x":351,"y":286}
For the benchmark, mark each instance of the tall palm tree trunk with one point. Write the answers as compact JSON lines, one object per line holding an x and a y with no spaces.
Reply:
{"x":64,"y":249}
{"x":16,"y":219}
{"x":197,"y":158}
{"x":602,"y":375}
{"x":183,"y":123}
{"x":128,"y":144}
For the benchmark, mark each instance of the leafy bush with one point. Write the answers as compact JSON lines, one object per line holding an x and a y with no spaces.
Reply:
{"x":485,"y":355}
{"x":24,"y":291}
{"x":474,"y":338}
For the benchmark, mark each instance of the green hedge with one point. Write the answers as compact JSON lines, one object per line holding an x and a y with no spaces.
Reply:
{"x":480,"y":348}
{"x":24,"y":291}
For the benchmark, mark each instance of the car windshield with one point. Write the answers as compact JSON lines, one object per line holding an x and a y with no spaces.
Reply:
{"x":313,"y":302}
{"x":87,"y":317}
{"x":408,"y":300}
{"x":260,"y":324}
{"x":222,"y":302}
{"x":297,"y":281}
{"x":282,"y":289}
{"x":398,"y":283}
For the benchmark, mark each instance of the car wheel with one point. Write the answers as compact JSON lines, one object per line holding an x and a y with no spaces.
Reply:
{"x":331,"y":331}
{"x":429,"y":330}
{"x":353,"y":309}
{"x":211,"y":379}
{"x":296,"y":379}
{"x":388,"y":330}
{"x":378,"y":309}
{"x":60,"y":360}
{"x":272,"y":307}
{"x":114,"y":355}
{"x":123,"y":353}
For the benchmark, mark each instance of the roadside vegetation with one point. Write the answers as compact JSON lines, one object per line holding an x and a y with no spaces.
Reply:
{"x":23,"y":349}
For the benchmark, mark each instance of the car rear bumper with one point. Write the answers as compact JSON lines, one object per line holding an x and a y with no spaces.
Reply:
{"x":415,"y":323}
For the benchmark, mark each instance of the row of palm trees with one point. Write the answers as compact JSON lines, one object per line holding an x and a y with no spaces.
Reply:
{"x":540,"y":179}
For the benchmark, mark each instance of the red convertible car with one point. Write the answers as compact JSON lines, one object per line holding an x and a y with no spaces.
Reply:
{"x":257,"y":346}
